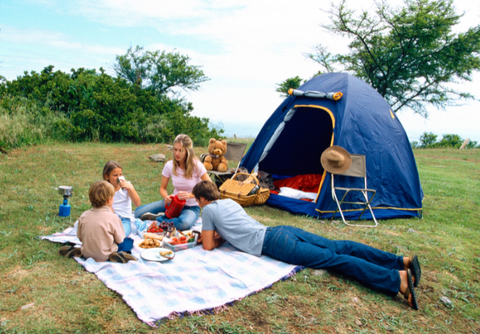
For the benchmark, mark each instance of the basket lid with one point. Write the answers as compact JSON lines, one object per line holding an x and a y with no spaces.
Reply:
{"x":236,"y":187}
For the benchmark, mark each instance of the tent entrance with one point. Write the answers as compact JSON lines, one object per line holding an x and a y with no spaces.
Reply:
{"x":307,"y":132}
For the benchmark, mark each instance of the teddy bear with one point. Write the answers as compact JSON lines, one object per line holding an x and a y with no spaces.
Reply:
{"x":215,"y":160}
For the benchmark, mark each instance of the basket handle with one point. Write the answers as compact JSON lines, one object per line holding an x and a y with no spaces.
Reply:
{"x":254,"y":178}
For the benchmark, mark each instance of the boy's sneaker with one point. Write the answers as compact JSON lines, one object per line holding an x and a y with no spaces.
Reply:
{"x":70,"y":251}
{"x":121,"y":257}
{"x":151,"y":216}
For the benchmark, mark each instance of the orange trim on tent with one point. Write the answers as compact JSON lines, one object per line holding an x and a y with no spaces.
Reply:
{"x":391,"y":114}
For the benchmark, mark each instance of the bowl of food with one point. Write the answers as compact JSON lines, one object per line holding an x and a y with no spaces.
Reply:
{"x":181,"y":241}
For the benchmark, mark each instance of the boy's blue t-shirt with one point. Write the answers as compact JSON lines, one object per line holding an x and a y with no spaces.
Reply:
{"x":234,"y":225}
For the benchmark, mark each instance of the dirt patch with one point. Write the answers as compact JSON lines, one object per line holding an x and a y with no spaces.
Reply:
{"x":451,"y":276}
{"x":262,"y":219}
{"x":16,"y":274}
{"x":390,"y":233}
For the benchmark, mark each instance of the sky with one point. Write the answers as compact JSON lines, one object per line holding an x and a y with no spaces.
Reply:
{"x":245,"y":47}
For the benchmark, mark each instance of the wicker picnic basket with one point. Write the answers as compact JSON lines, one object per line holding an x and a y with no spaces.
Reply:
{"x":238,"y":191}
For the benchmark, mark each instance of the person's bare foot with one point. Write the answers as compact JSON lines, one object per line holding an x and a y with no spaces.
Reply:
{"x":407,"y":288}
{"x":404,"y":286}
{"x":414,"y":266}
{"x":407,"y":262}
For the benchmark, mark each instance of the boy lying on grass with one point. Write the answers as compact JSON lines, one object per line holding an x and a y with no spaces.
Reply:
{"x":100,"y":230}
{"x":226,"y":220}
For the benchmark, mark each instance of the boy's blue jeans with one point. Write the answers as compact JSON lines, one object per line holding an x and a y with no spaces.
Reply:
{"x":126,"y":245}
{"x":185,"y":221}
{"x":127,"y":225}
{"x":370,"y":266}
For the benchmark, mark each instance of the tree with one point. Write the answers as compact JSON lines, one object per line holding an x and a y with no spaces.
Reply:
{"x":451,"y":140}
{"x":285,"y":85}
{"x":427,"y":140}
{"x":473,"y":144}
{"x":158,"y":72}
{"x":410,"y":55}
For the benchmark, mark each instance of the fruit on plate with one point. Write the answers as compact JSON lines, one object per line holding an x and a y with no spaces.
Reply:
{"x":166,"y":225}
{"x":154,"y":228}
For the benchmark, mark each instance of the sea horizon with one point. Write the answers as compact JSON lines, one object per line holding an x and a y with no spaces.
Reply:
{"x":240,"y":130}
{"x":251,"y":130}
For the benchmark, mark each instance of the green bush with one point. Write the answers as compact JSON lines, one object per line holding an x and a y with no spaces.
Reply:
{"x":429,"y":140}
{"x":473,"y":144}
{"x":90,"y":106}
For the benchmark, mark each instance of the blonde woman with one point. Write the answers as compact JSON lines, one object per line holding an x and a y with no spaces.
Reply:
{"x":186,"y":171}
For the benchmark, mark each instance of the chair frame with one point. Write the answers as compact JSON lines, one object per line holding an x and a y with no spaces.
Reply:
{"x":357,"y":169}
{"x":221,"y":177}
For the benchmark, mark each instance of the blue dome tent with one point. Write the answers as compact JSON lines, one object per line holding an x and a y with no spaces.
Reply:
{"x":361,"y":121}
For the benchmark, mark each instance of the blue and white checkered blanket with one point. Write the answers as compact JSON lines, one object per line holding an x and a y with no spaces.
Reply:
{"x":194,"y":281}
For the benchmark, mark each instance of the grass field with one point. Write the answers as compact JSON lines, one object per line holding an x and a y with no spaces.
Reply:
{"x":66,"y":298}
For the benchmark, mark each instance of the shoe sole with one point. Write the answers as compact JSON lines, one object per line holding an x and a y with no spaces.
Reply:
{"x":121,"y":257}
{"x":416,"y":270}
{"x":70,"y":251}
{"x":412,"y":291}
{"x":151,"y":216}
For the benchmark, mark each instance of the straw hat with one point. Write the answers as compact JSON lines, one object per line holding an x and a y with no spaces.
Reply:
{"x":336,"y":160}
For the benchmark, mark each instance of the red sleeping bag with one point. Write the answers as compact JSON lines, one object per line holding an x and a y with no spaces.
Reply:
{"x":308,"y":183}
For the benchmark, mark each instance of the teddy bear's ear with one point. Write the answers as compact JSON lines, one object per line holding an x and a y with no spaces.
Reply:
{"x":224,"y":142}
{"x":212,"y":140}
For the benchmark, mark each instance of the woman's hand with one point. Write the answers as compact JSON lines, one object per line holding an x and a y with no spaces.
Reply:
{"x":184,"y":195}
{"x":168,"y":200}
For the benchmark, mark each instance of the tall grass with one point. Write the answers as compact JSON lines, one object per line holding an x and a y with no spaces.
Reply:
{"x":23,"y":123}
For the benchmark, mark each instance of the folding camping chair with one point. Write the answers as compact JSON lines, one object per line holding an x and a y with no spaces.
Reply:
{"x":358,"y":168}
{"x":235,"y":152}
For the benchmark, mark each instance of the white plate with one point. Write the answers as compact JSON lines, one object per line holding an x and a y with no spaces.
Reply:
{"x":153,"y":254}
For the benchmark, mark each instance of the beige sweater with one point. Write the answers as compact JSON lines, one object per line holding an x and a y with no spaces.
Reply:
{"x":99,"y":230}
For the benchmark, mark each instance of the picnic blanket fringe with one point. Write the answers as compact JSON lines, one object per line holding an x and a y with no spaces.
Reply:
{"x":292,"y":273}
{"x":218,"y":309}
{"x":199,"y":313}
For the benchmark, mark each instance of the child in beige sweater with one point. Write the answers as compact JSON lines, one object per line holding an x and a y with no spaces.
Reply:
{"x":100,"y":230}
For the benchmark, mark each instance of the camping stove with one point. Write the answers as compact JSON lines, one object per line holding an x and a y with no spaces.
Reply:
{"x":64,"y":209}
